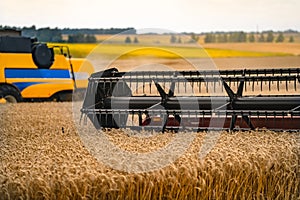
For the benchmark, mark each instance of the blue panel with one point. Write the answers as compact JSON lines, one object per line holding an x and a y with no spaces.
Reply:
{"x":22,"y":85}
{"x":37,"y":73}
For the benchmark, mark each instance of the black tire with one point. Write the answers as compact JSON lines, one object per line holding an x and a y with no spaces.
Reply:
{"x":10,"y":94}
{"x":95,"y":95}
{"x":120,"y":89}
{"x":62,"y":96}
{"x":42,"y":56}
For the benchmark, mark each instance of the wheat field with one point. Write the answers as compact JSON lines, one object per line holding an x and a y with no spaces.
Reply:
{"x":43,"y":157}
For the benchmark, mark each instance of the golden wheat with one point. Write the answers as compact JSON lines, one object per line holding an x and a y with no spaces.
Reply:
{"x":39,"y":161}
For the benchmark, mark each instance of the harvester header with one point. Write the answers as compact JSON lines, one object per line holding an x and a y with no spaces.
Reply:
{"x":197,"y":100}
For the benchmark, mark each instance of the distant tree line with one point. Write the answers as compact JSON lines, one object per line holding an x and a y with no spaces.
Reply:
{"x":81,"y":38}
{"x":88,"y":35}
{"x":128,"y":40}
{"x":175,"y":39}
{"x":100,"y":31}
{"x":240,"y":36}
{"x":75,"y":35}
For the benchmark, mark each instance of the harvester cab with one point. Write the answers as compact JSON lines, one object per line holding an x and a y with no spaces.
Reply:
{"x":35,"y":71}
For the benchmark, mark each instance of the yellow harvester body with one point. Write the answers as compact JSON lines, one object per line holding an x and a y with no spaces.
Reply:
{"x":40,"y":71}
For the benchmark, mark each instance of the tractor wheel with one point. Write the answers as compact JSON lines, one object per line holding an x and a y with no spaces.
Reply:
{"x":9,"y":94}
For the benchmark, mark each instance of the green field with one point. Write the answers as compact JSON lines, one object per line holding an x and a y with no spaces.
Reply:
{"x":137,"y":50}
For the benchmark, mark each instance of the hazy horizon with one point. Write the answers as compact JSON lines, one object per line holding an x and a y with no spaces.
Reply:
{"x":174,"y":15}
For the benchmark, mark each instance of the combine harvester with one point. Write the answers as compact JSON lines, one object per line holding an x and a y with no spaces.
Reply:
{"x":194,"y":100}
{"x":35,"y":71}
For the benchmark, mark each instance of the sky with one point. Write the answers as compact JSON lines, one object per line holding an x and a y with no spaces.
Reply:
{"x":174,"y":15}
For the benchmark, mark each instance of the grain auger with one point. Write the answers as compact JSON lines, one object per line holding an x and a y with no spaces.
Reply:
{"x":195,"y":100}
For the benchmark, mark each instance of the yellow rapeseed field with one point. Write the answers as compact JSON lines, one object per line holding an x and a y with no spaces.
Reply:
{"x":159,"y":51}
{"x":42,"y":157}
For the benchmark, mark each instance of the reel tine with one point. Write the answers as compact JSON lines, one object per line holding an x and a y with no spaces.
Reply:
{"x":232,"y":121}
{"x":274,"y":117}
{"x":132,"y":119}
{"x":214,"y":85}
{"x":286,"y":84}
{"x":137,"y":86}
{"x":172,"y":86}
{"x":106,"y":117}
{"x":248,"y":121}
{"x":282,"y":120}
{"x":203,"y":118}
{"x":140,"y":118}
{"x":200,"y":87}
{"x":143,"y":87}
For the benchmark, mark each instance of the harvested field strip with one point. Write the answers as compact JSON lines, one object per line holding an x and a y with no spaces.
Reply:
{"x":42,"y":156}
{"x":290,"y":48}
